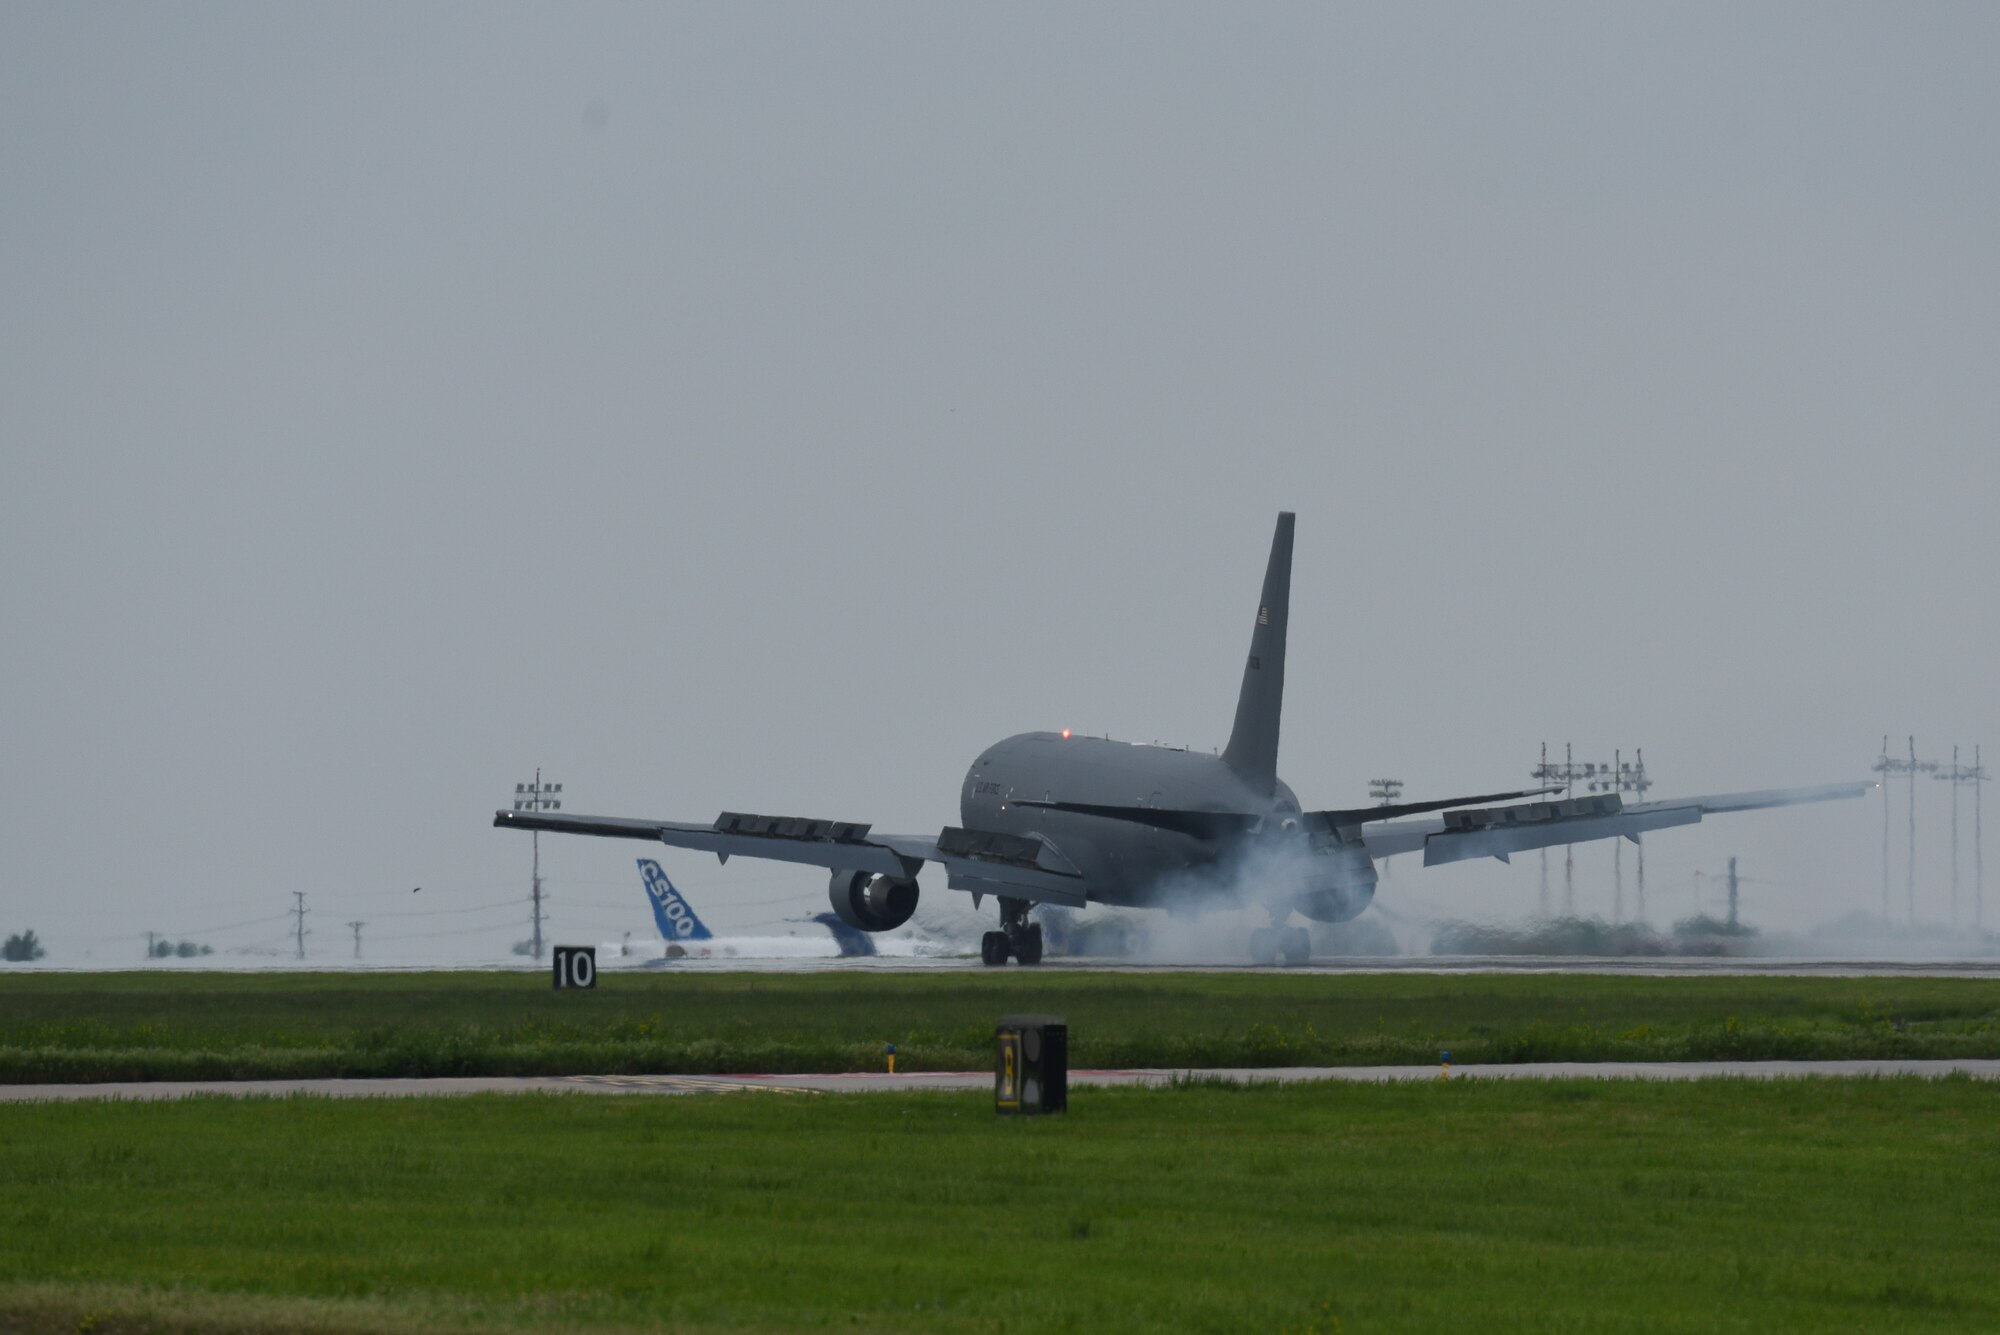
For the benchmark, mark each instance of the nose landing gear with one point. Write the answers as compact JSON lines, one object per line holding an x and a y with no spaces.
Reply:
{"x":1017,"y":936}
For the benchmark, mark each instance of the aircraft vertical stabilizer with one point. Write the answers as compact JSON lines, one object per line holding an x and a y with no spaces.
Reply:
{"x":1253,"y":743}
{"x":671,"y":911}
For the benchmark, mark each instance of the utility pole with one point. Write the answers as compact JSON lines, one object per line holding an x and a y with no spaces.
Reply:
{"x":1961,"y":776}
{"x":357,"y":926}
{"x":537,"y":796}
{"x":299,"y":912}
{"x":1732,"y":894}
{"x":151,"y":937}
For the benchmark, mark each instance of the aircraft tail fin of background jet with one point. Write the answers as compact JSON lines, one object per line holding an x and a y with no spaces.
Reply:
{"x":673,"y":913}
{"x":851,"y":941}
{"x":1253,"y":743}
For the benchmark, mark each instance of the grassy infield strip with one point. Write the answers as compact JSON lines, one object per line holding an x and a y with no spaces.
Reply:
{"x":1866,"y":1205}
{"x":1838,"y":1205}
{"x":235,"y":1026}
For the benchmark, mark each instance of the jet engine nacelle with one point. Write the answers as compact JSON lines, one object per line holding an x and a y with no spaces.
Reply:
{"x":872,"y":903}
{"x":1343,"y":884}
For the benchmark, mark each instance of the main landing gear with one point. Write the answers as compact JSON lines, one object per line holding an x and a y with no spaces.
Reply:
{"x":1272,"y":945}
{"x":1017,"y":936}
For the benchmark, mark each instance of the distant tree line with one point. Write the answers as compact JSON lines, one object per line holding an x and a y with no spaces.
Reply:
{"x":21,"y":947}
{"x":164,"y":949}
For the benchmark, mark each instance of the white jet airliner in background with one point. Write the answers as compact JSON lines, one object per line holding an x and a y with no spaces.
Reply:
{"x":683,"y":935}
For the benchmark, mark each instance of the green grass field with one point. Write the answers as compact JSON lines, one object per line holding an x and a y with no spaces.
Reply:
{"x":1502,"y":1206}
{"x":173,"y":1025}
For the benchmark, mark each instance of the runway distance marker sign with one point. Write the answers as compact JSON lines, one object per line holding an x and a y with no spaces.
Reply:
{"x":575,"y":966}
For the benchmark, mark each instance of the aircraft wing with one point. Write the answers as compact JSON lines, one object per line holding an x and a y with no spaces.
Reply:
{"x":1499,"y":832}
{"x":978,"y":861}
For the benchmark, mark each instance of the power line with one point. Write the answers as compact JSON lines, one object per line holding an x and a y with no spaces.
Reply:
{"x":471,"y":908}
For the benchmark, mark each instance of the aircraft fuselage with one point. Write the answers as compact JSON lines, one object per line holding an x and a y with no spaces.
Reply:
{"x":1130,"y":863}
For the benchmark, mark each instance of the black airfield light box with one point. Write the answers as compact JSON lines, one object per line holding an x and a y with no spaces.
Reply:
{"x":1031,"y":1064}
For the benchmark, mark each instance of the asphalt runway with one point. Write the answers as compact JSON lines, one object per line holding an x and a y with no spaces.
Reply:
{"x":1657,"y":966}
{"x":880,"y":1082}
{"x":1631,"y":966}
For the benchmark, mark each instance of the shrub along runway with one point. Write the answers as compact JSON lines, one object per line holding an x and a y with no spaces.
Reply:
{"x":75,"y":1027}
{"x":1413,"y":1206}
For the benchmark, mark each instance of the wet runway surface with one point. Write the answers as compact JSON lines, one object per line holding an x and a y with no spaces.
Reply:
{"x":879,"y":1082}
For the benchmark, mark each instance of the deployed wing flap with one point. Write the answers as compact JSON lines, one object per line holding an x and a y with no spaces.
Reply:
{"x":988,"y":862}
{"x":1011,"y":885}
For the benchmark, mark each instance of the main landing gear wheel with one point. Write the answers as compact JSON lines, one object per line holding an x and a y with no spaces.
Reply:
{"x":1274,"y":945}
{"x":1017,"y":936}
{"x":1295,"y":945}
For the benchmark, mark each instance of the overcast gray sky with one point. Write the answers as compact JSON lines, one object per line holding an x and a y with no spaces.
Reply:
{"x":764,"y":407}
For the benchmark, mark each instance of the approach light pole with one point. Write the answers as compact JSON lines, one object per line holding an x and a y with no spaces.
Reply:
{"x":1384,"y":792}
{"x":1916,"y":767}
{"x":1564,"y":776}
{"x":537,"y":796}
{"x":1962,"y":776}
{"x":1910,"y":769}
{"x":1621,"y":777}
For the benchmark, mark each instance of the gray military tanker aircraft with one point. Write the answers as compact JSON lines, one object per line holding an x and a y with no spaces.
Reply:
{"x":1049,"y":818}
